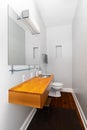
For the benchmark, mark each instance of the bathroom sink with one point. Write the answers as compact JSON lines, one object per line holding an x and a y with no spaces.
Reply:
{"x":44,"y":75}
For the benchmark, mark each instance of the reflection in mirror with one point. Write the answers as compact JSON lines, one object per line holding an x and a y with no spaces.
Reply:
{"x":23,"y":47}
{"x":16,"y":39}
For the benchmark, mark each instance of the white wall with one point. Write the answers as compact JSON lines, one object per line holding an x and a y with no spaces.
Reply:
{"x":61,"y":67}
{"x":13,"y":116}
{"x":79,"y":39}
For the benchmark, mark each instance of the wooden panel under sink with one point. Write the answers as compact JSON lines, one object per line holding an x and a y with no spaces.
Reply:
{"x":32,"y":93}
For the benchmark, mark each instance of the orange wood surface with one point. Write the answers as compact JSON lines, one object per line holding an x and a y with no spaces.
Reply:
{"x":32,"y":93}
{"x":35,"y":85}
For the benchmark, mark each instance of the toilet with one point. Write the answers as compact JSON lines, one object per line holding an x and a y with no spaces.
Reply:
{"x":55,"y":89}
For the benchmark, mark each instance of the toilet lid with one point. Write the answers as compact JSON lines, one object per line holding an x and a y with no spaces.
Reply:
{"x":57,"y":84}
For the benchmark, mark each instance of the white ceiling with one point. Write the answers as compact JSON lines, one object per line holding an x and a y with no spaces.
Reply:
{"x":56,"y":12}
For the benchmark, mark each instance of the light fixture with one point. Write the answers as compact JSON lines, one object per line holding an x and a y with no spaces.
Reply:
{"x":30,"y":23}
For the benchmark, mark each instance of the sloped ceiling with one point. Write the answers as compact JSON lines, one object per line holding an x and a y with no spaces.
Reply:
{"x":56,"y":12}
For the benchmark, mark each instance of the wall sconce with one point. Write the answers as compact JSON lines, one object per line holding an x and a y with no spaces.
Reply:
{"x":30,"y":23}
{"x":58,"y":51}
{"x":35,"y":52}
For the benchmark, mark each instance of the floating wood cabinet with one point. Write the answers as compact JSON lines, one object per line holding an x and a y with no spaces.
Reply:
{"x":33,"y":92}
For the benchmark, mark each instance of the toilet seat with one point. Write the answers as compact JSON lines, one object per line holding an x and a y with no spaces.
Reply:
{"x":57,"y":84}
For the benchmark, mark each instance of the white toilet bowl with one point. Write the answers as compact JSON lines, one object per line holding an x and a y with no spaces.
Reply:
{"x":55,"y":89}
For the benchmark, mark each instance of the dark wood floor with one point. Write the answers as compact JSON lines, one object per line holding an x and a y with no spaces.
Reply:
{"x":66,"y":101}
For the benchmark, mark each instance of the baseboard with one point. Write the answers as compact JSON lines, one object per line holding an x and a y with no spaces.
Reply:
{"x":28,"y":119}
{"x":67,"y":90}
{"x":83,"y":118}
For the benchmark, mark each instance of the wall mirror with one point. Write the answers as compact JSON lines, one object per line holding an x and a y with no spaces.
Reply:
{"x":23,"y":47}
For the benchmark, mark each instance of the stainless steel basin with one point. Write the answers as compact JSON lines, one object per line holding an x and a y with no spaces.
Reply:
{"x":44,"y":75}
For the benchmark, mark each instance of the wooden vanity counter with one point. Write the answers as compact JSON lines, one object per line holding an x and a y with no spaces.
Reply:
{"x":32,"y":92}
